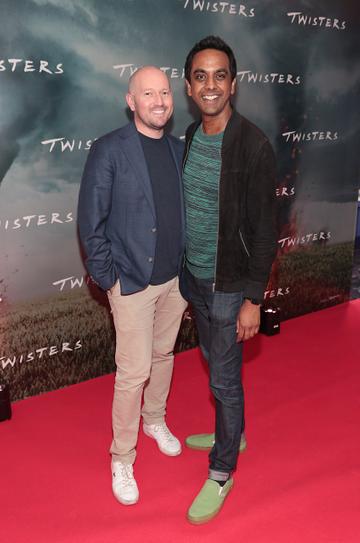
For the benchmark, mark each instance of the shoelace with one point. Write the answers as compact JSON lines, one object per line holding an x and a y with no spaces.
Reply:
{"x":164,"y":431}
{"x":126,"y":475}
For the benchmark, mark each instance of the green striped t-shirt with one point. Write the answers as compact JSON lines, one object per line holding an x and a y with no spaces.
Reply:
{"x":201,"y":191}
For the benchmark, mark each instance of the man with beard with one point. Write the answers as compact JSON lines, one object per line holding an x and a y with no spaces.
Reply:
{"x":229,"y":188}
{"x":131,"y":223}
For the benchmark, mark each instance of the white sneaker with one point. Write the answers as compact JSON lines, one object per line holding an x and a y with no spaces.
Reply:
{"x":167,"y":442}
{"x":124,"y":485}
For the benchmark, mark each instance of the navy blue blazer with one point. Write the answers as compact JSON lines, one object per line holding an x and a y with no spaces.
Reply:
{"x":116,"y":211}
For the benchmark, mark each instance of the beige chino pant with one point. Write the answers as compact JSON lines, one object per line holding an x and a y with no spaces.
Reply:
{"x":146,"y":325}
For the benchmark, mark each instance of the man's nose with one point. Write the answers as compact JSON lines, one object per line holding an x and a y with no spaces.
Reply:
{"x":211,"y":82}
{"x":159,"y":99}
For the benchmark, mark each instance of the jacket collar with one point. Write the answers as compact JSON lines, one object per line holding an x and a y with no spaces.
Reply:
{"x":234,"y":124}
{"x":132,"y":148}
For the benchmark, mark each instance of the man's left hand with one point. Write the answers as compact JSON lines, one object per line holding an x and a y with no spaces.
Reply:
{"x":248,"y":321}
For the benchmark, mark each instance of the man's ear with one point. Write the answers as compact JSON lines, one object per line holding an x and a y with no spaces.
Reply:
{"x":233,"y":86}
{"x":188,"y":87}
{"x":130,"y":101}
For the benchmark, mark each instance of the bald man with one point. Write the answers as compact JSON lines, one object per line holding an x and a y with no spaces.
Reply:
{"x":131,"y":224}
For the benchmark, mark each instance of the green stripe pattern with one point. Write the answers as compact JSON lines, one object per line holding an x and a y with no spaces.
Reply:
{"x":201,"y":192}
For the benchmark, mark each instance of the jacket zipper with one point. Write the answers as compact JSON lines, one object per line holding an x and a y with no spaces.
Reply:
{"x":182,"y":175}
{"x":244,"y":244}
{"x":218,"y":224}
{"x":186,"y":155}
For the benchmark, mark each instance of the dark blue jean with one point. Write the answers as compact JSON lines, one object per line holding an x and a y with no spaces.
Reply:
{"x":216,"y":314}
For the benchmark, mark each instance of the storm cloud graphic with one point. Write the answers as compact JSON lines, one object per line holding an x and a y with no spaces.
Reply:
{"x":84,"y":98}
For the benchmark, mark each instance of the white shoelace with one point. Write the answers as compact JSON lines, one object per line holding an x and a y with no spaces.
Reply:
{"x":126,"y":475}
{"x":164,"y":432}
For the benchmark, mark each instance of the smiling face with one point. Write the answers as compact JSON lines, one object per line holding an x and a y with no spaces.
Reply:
{"x":210,"y":84}
{"x":150,"y":99}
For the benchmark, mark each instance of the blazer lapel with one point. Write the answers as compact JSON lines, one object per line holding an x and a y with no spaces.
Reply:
{"x":133,"y":150}
{"x":178,"y":161}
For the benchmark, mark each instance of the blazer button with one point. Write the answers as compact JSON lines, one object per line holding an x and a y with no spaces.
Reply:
{"x":153,"y":229}
{"x":150,"y":259}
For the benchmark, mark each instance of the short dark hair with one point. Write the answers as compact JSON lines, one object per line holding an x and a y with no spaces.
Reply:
{"x":210,"y":42}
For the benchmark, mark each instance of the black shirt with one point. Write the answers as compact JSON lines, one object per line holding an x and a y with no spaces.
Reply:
{"x":166,"y":192}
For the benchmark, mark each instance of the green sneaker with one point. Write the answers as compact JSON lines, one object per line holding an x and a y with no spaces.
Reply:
{"x":205,"y":442}
{"x":209,"y":501}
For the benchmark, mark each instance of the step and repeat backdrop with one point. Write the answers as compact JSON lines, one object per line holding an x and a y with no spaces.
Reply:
{"x":64,"y":67}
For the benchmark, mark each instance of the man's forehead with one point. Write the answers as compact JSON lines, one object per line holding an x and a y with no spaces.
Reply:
{"x":210,"y":59}
{"x":215,"y":69}
{"x":154,"y":80}
{"x":149,"y":78}
{"x":152,"y":87}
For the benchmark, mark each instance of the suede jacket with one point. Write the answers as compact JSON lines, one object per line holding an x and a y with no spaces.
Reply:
{"x":247,"y":233}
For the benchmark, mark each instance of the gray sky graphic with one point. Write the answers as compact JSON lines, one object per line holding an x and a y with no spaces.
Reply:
{"x":87,"y":100}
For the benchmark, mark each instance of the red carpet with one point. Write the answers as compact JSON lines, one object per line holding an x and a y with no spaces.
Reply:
{"x":298,"y":481}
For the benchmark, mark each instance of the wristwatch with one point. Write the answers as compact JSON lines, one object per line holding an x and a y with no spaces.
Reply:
{"x":254,"y":301}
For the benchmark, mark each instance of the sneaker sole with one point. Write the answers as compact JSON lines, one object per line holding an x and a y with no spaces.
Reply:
{"x":203,"y":520}
{"x":167,"y":453}
{"x":207,"y":449}
{"x":197,"y":447}
{"x":126,"y":502}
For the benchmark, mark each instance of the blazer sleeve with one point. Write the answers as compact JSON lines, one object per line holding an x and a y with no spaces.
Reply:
{"x":94,"y":207}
